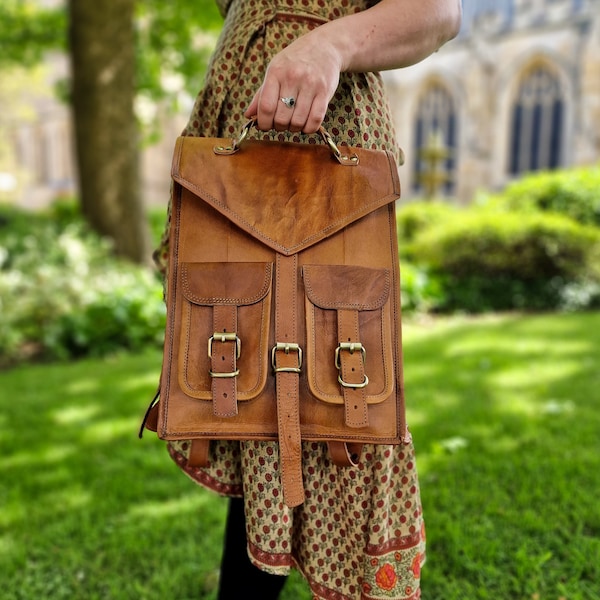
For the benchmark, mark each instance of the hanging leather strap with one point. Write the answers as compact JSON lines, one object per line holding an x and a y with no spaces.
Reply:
{"x":344,"y":454}
{"x":198,"y":455}
{"x":350,"y":360}
{"x":287,"y":359}
{"x":150,"y":420}
{"x":224,"y":347}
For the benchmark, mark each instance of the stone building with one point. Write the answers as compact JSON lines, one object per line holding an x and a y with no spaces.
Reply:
{"x":518,"y":90}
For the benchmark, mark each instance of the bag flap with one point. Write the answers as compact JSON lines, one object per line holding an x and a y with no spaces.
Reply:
{"x":289,"y":196}
{"x":225,"y":283}
{"x":346,"y":287}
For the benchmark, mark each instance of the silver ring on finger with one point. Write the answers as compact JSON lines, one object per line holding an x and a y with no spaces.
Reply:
{"x":289,"y":101}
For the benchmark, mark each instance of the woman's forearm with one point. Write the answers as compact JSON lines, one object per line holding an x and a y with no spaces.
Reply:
{"x":391,"y":34}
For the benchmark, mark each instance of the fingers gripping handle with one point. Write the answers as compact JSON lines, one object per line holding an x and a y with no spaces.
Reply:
{"x":344,"y":159}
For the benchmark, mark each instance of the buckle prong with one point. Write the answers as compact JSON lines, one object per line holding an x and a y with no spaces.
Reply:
{"x":225,"y":336}
{"x":286,"y":347}
{"x":350,"y":347}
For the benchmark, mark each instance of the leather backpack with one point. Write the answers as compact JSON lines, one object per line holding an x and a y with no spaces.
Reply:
{"x":283,"y":300}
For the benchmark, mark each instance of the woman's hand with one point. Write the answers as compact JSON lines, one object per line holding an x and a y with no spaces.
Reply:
{"x":389,"y":35}
{"x":307,"y":71}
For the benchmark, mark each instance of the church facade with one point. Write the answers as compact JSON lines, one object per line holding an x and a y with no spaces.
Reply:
{"x":517,"y":91}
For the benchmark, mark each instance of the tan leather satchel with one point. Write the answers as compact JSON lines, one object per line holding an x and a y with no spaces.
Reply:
{"x":283,"y":300}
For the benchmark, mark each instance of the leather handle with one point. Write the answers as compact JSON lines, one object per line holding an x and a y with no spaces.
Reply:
{"x":344,"y":159}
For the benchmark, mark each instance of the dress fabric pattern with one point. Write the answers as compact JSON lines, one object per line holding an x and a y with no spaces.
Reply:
{"x":359,"y":535}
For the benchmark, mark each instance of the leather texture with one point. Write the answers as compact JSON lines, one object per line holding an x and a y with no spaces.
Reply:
{"x":283,"y":300}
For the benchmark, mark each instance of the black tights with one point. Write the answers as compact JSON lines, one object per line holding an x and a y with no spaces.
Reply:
{"x":239,"y":577}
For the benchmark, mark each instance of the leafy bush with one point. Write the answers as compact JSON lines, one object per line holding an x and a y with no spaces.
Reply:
{"x":157,"y":217}
{"x":420,"y":290}
{"x":63,"y":294}
{"x":572,"y":192}
{"x":415,"y":217}
{"x":499,"y":261}
{"x":420,"y":287}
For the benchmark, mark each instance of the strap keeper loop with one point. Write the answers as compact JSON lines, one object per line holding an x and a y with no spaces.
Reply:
{"x":224,"y":375}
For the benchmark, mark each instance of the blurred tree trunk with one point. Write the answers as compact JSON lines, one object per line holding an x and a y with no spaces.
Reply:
{"x":102,"y":50}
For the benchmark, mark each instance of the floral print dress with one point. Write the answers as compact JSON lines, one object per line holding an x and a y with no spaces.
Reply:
{"x":359,"y":534}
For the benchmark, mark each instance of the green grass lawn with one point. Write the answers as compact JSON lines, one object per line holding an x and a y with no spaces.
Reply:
{"x":505,"y":412}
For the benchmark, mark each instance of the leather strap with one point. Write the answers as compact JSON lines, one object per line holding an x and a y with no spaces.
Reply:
{"x":351,"y":365}
{"x":198,"y":456}
{"x":344,"y":454}
{"x":224,"y":361}
{"x":150,"y":420}
{"x":286,"y":364}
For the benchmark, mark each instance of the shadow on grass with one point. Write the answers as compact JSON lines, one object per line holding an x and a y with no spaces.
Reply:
{"x":89,"y":511}
{"x":504,"y":411}
{"x":505,"y":418}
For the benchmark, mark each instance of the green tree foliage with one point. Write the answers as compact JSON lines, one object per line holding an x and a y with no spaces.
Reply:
{"x":173,"y":38}
{"x":27,"y":30}
{"x":120,"y":50}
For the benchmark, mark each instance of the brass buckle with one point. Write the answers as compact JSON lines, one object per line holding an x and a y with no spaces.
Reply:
{"x":225,"y":337}
{"x":286,"y":347}
{"x":351,"y":347}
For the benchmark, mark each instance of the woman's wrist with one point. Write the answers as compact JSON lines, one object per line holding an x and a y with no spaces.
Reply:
{"x":390,"y":35}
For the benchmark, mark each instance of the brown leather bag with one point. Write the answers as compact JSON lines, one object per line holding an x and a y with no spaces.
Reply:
{"x":283,"y":300}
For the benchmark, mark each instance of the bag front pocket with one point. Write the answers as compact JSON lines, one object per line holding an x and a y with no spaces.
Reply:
{"x":349,"y":337}
{"x":223,"y":345}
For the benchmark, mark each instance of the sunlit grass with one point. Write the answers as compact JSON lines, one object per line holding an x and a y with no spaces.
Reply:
{"x":505,"y":414}
{"x":507,"y":428}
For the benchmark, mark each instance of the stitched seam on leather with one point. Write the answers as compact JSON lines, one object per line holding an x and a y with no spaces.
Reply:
{"x":172,"y":296}
{"x":175,"y":172}
{"x":393,"y":172}
{"x":289,"y":381}
{"x":397,"y":348}
{"x":347,"y":219}
{"x":314,"y":385}
{"x":349,"y":392}
{"x":186,"y":341}
{"x":230,"y":385}
{"x":237,"y":301}
{"x":261,"y":364}
{"x":317,"y":301}
{"x":264,"y":328}
{"x":388,"y":382}
{"x":243,"y":395}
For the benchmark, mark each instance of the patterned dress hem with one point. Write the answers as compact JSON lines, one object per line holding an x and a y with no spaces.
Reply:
{"x":203,"y":479}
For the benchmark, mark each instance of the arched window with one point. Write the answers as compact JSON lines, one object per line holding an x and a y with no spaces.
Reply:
{"x":435,"y":142}
{"x":537,"y":123}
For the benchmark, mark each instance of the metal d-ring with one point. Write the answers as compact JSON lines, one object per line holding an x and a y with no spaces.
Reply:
{"x":344,"y":159}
